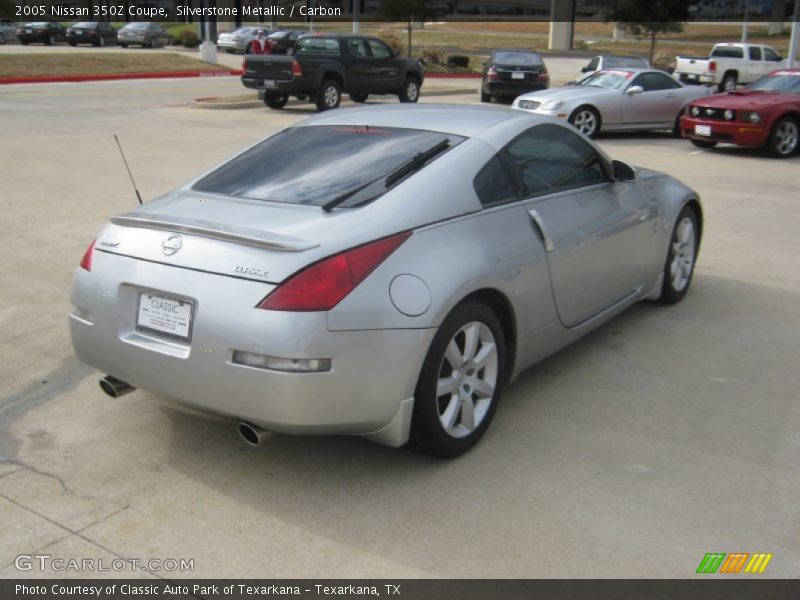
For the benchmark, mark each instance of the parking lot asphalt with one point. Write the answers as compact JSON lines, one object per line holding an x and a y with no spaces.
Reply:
{"x":668,"y":433}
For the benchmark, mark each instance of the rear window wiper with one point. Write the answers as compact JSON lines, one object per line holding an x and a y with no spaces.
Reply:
{"x":411,"y":165}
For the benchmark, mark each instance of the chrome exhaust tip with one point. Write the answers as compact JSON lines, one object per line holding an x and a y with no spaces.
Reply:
{"x":253,"y":435}
{"x":115,"y":387}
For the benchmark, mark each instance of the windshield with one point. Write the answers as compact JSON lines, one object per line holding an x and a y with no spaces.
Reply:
{"x":778,"y":81}
{"x":36,"y":24}
{"x":521,"y":59}
{"x":84,"y":25}
{"x":317,"y":164}
{"x":625,"y":61}
{"x":136,"y":26}
{"x":613,"y":80}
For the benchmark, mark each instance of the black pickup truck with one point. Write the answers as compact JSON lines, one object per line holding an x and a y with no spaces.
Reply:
{"x":326,"y":65}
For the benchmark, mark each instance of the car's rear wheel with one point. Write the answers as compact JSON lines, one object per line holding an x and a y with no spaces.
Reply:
{"x":329,"y":95}
{"x":153,"y":42}
{"x":101,"y":41}
{"x":728,"y":83}
{"x":681,"y":257}
{"x":276,"y":101}
{"x":486,"y":97}
{"x":783,"y":138}
{"x":676,"y":128}
{"x":73,"y":44}
{"x":359,"y":97}
{"x":25,"y":43}
{"x":123,"y":45}
{"x":50,"y":40}
{"x":460,"y":383}
{"x":410,"y":90}
{"x":2,"y":38}
{"x":703,"y":143}
{"x":586,"y":120}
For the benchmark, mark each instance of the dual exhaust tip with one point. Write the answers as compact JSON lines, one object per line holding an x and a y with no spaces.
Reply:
{"x":253,"y":435}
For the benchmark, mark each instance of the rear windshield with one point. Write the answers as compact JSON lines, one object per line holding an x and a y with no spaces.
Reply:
{"x":727,"y":52}
{"x":317,"y":45}
{"x":624,"y":61}
{"x":520,"y":59}
{"x":779,"y":81}
{"x":84,"y":25}
{"x":317,"y":164}
{"x":136,"y":26}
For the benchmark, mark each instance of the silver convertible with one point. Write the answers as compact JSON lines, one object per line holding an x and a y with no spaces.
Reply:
{"x":616,"y":99}
{"x":388,"y":280}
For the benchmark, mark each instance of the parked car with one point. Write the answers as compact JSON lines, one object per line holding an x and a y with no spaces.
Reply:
{"x":42,"y":32}
{"x":509,"y":73}
{"x":283,"y":42}
{"x":97,"y":33}
{"x":729,"y":65}
{"x":610,"y":61}
{"x":616,"y":99}
{"x":388,"y":281}
{"x":325,"y":65}
{"x":239,"y":40}
{"x":8,"y":31}
{"x":765,"y":115}
{"x":146,"y":35}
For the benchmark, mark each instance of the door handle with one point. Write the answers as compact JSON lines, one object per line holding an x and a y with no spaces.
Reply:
{"x":536,"y":219}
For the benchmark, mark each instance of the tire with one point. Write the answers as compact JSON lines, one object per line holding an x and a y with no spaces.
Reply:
{"x":410,"y":90}
{"x":486,"y":97}
{"x":249,"y":48}
{"x":783,"y":139}
{"x":703,"y":143}
{"x":230,"y":50}
{"x":728,"y":83}
{"x":123,"y":45}
{"x":440,"y":425}
{"x":359,"y":97}
{"x":681,"y":257}
{"x":24,"y":43}
{"x":676,"y":128}
{"x":101,"y":42}
{"x":276,"y":101}
{"x":586,"y":120}
{"x":2,"y":39}
{"x":153,"y":43}
{"x":73,"y":44}
{"x":329,"y":96}
{"x":50,"y":40}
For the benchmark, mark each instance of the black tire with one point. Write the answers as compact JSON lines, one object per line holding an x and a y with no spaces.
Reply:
{"x":728,"y":83}
{"x":410,"y":90}
{"x":101,"y":41}
{"x":486,"y":97}
{"x":152,"y":42}
{"x":783,"y":139}
{"x":360,"y":98}
{"x":670,"y":292}
{"x":73,"y":44}
{"x":276,"y":101}
{"x":249,"y":48}
{"x":428,"y":434}
{"x":24,"y":43}
{"x":329,"y":96}
{"x":703,"y":143}
{"x":123,"y":45}
{"x":50,"y":40}
{"x":586,"y":115}
{"x":2,"y":38}
{"x":676,"y":129}
{"x":230,"y":50}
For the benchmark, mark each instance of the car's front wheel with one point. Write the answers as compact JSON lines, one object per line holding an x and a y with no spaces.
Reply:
{"x":586,"y":120}
{"x":329,"y":95}
{"x":410,"y":90}
{"x":783,"y":139}
{"x":276,"y":101}
{"x":460,"y":383}
{"x":50,"y":40}
{"x":681,"y":257}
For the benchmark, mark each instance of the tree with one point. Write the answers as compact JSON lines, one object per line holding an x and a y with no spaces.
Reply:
{"x":649,"y":17}
{"x":407,"y":11}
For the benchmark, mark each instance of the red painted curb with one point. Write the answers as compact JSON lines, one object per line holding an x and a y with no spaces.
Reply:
{"x":111,"y":76}
{"x":452,"y":75}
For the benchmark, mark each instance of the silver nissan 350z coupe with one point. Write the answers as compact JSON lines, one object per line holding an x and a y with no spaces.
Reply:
{"x":382,"y":271}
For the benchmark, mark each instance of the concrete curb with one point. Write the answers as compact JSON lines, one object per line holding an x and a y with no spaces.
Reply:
{"x":208,"y":102}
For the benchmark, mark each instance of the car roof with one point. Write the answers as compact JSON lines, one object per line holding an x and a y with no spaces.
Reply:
{"x":454,"y":119}
{"x":516,"y":50}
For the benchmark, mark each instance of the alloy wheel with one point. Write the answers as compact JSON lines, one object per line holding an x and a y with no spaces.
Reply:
{"x":683,"y":253}
{"x":786,"y":137}
{"x":585,"y":122}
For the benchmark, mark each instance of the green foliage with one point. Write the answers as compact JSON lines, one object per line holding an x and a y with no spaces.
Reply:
{"x":408,"y":12}
{"x":650,"y":17}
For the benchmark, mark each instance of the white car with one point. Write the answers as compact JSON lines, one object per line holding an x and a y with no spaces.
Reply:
{"x":8,"y":31}
{"x":729,"y":65}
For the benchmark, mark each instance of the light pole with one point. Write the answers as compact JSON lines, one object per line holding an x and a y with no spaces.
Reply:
{"x":744,"y":23}
{"x":794,"y":40}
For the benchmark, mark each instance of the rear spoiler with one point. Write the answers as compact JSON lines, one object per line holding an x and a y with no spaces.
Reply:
{"x":247,"y":237}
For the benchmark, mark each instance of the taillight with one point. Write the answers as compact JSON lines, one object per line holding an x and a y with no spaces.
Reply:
{"x":491,"y":74}
{"x":712,"y":66}
{"x":543,"y":75}
{"x":297,"y":69}
{"x":324,"y":284}
{"x":86,"y":261}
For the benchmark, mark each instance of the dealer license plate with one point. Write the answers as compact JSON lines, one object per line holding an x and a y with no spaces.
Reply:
{"x":518,"y":76}
{"x":164,"y":316}
{"x":702,"y":130}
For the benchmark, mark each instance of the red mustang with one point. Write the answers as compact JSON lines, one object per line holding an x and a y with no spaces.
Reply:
{"x":765,"y":115}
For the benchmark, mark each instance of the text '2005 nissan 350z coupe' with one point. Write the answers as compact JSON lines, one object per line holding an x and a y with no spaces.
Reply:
{"x":381,"y":271}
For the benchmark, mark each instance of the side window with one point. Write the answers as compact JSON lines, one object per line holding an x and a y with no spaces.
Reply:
{"x":492,"y":184}
{"x":651,"y":82}
{"x":379,"y":49}
{"x":357,"y":47}
{"x":550,"y":157}
{"x":755,"y":53}
{"x":769,"y":54}
{"x":593,"y":64}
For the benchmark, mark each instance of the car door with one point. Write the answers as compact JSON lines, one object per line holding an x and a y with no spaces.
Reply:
{"x":657,"y":105}
{"x":598,"y":233}
{"x":385,"y":70}
{"x":359,"y":67}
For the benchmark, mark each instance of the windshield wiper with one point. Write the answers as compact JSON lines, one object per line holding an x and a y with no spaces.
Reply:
{"x":411,"y":165}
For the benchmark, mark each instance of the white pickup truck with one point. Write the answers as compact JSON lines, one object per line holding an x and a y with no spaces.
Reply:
{"x":729,"y":65}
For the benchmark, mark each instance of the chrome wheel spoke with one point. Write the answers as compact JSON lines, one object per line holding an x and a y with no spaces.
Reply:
{"x":467,"y":413}
{"x":450,"y":414}
{"x":484,"y":355}
{"x":470,"y":342}
{"x":446,"y":385}
{"x":453,"y":355}
{"x":483,"y":388}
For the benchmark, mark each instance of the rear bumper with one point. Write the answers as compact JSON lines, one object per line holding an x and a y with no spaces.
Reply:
{"x":508,"y":88}
{"x":279,"y":86}
{"x":698,"y":78}
{"x":366,"y":391}
{"x":741,"y":134}
{"x":231,"y":45}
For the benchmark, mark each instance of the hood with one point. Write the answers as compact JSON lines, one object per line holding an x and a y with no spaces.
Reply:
{"x":567,"y":93}
{"x":748,"y":99}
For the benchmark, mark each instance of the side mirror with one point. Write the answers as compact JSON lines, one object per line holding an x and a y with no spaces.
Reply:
{"x":484,"y":63}
{"x":623,"y":171}
{"x":780,"y":58}
{"x":634,"y":89}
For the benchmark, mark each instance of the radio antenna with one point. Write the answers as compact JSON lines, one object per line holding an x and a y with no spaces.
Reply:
{"x":133,"y":183}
